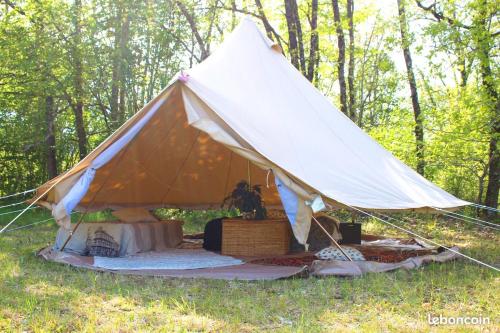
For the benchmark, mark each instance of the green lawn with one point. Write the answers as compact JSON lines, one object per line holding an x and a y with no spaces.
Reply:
{"x":43,"y":296}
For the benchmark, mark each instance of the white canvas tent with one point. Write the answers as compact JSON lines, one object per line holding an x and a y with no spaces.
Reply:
{"x":192,"y":143}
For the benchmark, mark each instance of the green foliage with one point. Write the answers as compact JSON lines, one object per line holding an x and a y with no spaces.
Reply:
{"x":195,"y":219}
{"x":131,"y":49}
{"x":248,"y":200}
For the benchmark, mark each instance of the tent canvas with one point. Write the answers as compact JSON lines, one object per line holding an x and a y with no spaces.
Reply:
{"x":244,"y":112}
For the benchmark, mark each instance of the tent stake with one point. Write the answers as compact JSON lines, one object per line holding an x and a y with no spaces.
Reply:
{"x":332,"y":239}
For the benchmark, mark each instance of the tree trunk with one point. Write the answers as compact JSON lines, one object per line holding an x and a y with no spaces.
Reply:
{"x":488,"y":83}
{"x":269,"y":29}
{"x":300,"y":40}
{"x":292,"y":34}
{"x":233,"y":14}
{"x":350,"y":75}
{"x":123,"y":67}
{"x":341,"y":58}
{"x":419,"y":128}
{"x":115,"y":76}
{"x":314,"y":47}
{"x":50,"y":138}
{"x":194,"y":29}
{"x":78,"y":83}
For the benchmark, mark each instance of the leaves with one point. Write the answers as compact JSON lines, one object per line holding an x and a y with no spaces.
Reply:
{"x":38,"y":44}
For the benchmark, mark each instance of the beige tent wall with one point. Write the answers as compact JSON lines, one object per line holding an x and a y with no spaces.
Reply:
{"x":61,"y":184}
{"x":170,"y":163}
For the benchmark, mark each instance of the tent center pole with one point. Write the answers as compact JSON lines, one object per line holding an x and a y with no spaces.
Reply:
{"x":72,"y":232}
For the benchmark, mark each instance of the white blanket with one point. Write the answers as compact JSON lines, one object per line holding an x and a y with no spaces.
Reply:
{"x":131,"y":237}
{"x":168,"y":259}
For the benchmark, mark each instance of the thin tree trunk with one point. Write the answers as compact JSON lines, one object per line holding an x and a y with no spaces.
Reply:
{"x":484,"y":43}
{"x":78,"y":83}
{"x":419,"y":128}
{"x":493,"y":188}
{"x":487,"y":79}
{"x":341,"y":58}
{"x":480,"y":193}
{"x":350,"y":75}
{"x":269,"y":29}
{"x":115,"y":76}
{"x":293,"y":48}
{"x":267,"y":25}
{"x":314,"y":47}
{"x":50,"y":116}
{"x":194,"y":29}
{"x":123,"y":67}
{"x":233,"y":14}
{"x":300,"y":41}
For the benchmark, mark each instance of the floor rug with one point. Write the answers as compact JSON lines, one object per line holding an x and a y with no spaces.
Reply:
{"x":170,"y":259}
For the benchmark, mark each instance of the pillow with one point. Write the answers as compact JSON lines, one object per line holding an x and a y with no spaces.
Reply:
{"x":134,"y":215}
{"x":102,"y":245}
{"x":333,"y":253}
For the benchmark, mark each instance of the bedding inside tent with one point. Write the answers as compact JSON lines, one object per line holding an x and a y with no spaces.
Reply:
{"x":379,"y":255}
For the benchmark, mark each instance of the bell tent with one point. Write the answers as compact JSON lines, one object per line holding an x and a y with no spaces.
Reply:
{"x":244,"y":112}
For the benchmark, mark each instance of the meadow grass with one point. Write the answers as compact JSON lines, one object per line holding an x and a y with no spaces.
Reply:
{"x":40,"y":296}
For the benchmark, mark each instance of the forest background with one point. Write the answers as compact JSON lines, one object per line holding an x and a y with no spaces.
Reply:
{"x":419,"y":76}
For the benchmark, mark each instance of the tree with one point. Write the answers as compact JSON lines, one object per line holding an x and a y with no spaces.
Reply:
{"x":269,"y":29}
{"x":196,"y":33}
{"x":122,"y":22}
{"x":50,"y":140}
{"x":295,"y":42}
{"x":105,"y":59}
{"x":341,"y":56}
{"x":314,"y":43}
{"x":350,"y":75}
{"x":78,"y":81}
{"x":479,"y":32}
{"x":419,"y":127}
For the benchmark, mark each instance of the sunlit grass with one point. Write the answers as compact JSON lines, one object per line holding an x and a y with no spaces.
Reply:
{"x":43,"y":296}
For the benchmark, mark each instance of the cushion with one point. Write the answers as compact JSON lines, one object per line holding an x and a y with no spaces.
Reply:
{"x":134,"y":215}
{"x":333,"y":253}
{"x":102,"y":244}
{"x":317,"y":238}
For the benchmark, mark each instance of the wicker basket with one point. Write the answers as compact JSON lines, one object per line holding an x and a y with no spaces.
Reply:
{"x":255,"y":237}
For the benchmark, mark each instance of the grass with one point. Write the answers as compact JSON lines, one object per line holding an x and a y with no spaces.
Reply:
{"x":39,"y":296}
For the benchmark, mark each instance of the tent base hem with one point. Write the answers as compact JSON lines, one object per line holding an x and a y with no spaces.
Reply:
{"x":253,"y":271}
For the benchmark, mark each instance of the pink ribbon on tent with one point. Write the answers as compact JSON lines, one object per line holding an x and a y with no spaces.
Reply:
{"x":183,"y":77}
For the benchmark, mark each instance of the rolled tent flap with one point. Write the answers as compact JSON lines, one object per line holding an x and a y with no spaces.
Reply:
{"x":298,"y":213}
{"x":62,"y":210}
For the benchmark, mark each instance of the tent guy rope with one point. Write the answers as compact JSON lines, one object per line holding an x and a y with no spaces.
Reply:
{"x":465,"y":216}
{"x":423,"y":238}
{"x":16,"y":211}
{"x":29,"y":225}
{"x":16,"y":194}
{"x":470,"y":221}
{"x":31,"y":205}
{"x":485,"y":207}
{"x":13,"y":204}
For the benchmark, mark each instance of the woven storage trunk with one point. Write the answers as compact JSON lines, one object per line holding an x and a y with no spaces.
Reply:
{"x":255,"y":237}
